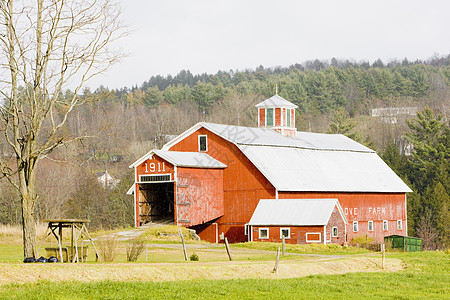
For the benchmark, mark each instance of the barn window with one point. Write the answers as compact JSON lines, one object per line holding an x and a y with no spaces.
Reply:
{"x":155,"y":178}
{"x":286,"y":232}
{"x":264,"y":233}
{"x":334,"y":232}
{"x":269,"y":117}
{"x":355,"y":226}
{"x":313,"y":237}
{"x":370,"y":225}
{"x":399,"y":225}
{"x":202,"y":143}
{"x":246,"y":226}
{"x":288,"y":112}
{"x":385,"y":225}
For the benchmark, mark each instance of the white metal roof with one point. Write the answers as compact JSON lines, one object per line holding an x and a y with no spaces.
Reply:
{"x":309,"y":161}
{"x":294,"y":169}
{"x":294,"y":212}
{"x":183,"y":159}
{"x":268,"y":137}
{"x":276,"y":101}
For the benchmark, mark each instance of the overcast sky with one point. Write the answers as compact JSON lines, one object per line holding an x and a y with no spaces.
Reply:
{"x":206,"y":36}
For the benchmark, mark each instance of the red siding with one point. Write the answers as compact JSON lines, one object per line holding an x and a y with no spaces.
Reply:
{"x":243,"y":184}
{"x":199,"y":195}
{"x":364,"y":207}
{"x":277,"y":116}
{"x":336,"y":221}
{"x":262,"y":117}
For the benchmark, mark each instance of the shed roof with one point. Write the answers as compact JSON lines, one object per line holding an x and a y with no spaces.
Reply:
{"x":276,"y":101}
{"x":183,"y":159}
{"x":294,"y":212}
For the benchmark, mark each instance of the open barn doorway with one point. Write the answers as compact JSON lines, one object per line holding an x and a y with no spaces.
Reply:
{"x":156,"y":203}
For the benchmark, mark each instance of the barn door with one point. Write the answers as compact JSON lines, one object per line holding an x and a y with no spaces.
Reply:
{"x":183,"y":205}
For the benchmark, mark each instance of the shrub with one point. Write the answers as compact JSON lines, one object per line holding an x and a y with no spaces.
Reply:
{"x":194,"y":257}
{"x":366,"y":242}
{"x":134,"y":248}
{"x":108,"y":248}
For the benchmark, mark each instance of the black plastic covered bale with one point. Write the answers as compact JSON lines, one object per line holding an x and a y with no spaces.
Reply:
{"x":42,"y":260}
{"x":53,"y":259}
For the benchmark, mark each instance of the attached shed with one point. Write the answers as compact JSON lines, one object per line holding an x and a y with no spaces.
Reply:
{"x":182,"y":187}
{"x":300,"y":221}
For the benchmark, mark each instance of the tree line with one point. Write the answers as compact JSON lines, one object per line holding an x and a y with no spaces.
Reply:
{"x":333,"y":97}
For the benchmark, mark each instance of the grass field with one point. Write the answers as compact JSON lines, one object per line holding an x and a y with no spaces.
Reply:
{"x":427,"y":276}
{"x":313,"y":271}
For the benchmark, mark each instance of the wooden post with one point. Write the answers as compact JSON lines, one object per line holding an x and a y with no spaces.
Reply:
{"x":97,"y":257}
{"x":146,"y":255}
{"x":228,"y":249}
{"x":71,"y":243}
{"x":284,"y":245}
{"x":184,"y":246}
{"x":61,"y":259}
{"x":47,"y":233}
{"x":383,"y":255}
{"x":275,"y":268}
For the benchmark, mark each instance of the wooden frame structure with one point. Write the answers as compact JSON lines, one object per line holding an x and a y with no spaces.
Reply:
{"x":78,"y":231}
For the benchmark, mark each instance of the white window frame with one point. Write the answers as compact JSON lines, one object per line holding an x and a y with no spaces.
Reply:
{"x":206,"y":143}
{"x":370,"y":226}
{"x":259,"y":233}
{"x":314,"y":241}
{"x":289,"y":233}
{"x":357,"y":226}
{"x":332,"y":232}
{"x":399,"y":225}
{"x":385,"y":225}
{"x":246,"y":229}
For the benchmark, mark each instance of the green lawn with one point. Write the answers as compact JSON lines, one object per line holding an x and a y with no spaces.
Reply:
{"x":427,"y":276}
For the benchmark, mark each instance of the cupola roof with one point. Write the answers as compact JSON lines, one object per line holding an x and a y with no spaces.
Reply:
{"x":276,"y":101}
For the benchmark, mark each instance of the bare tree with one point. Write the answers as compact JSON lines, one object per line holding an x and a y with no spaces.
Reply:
{"x":47,"y":46}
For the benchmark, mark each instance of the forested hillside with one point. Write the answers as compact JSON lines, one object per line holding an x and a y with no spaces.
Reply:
{"x":334,"y":96}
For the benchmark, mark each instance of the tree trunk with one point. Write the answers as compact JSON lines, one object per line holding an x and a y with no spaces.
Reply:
{"x":29,"y":227}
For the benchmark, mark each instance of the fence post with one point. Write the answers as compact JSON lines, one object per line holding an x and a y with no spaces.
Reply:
{"x":284,"y":245}
{"x":383,"y":255}
{"x":275,"y":268}
{"x":228,"y":249}
{"x":184,"y":246}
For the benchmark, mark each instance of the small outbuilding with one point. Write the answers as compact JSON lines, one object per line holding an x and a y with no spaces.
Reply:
{"x":300,"y":221}
{"x":405,"y":243}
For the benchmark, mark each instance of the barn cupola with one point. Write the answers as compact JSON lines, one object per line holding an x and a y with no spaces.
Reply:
{"x":278,"y":114}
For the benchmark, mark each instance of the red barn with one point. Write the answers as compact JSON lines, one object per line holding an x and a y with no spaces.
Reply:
{"x":211,"y":177}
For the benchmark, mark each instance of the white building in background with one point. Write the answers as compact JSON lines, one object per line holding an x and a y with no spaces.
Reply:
{"x":391,"y":115}
{"x":106,"y":180}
